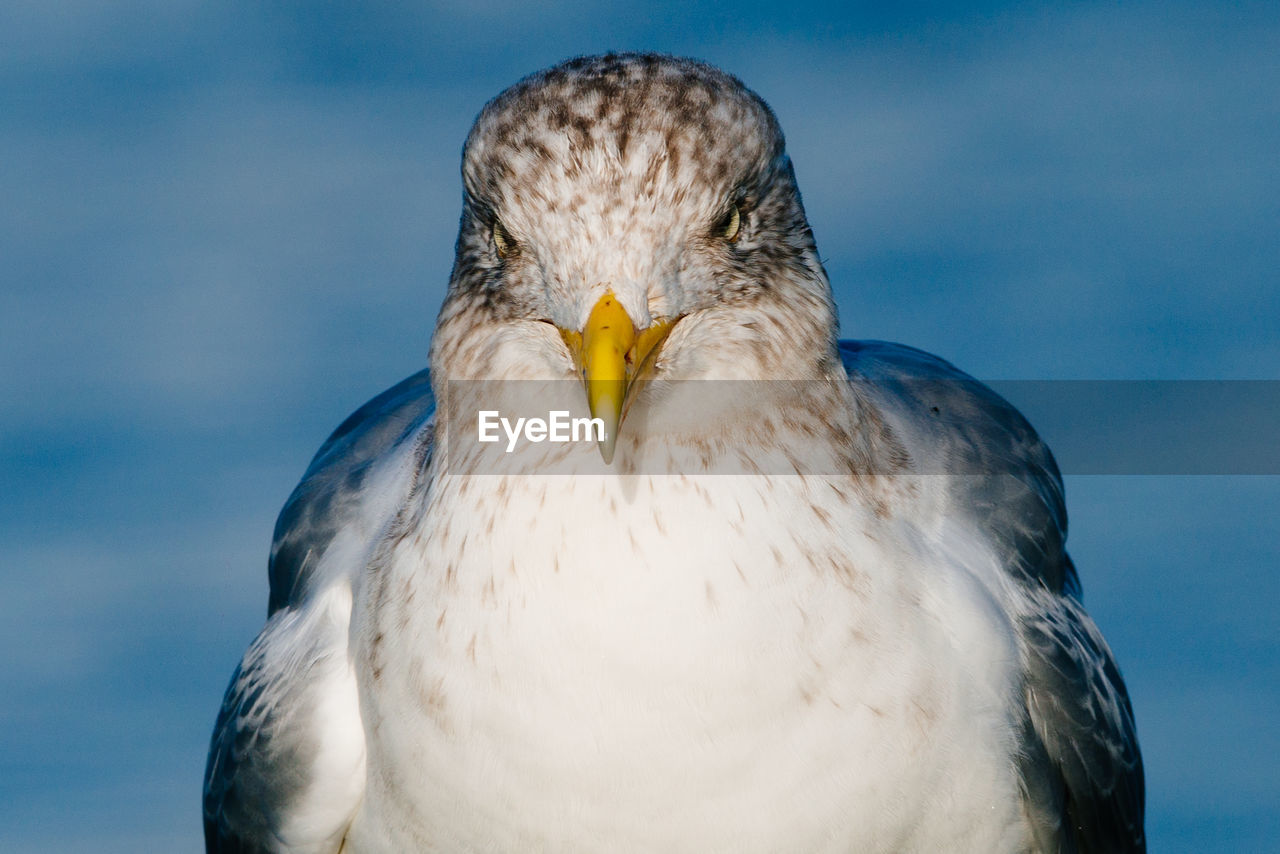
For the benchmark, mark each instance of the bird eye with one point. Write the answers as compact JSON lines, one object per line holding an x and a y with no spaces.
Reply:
{"x":503,"y":243}
{"x":730,"y":225}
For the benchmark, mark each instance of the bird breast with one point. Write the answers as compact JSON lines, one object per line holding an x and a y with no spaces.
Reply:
{"x":673,"y":663}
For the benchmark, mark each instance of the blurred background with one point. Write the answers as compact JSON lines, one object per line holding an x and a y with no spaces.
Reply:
{"x":225,"y":226}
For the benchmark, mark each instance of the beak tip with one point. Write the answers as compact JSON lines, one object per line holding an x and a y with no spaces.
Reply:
{"x":607,"y":446}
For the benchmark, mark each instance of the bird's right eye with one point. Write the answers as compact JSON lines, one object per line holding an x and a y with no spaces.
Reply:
{"x":730,"y":225}
{"x":503,"y":243}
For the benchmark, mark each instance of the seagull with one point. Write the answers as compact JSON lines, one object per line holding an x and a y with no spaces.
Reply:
{"x":782,"y":593}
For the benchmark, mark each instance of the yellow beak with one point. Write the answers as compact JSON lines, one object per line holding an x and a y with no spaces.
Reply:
{"x":612,"y":356}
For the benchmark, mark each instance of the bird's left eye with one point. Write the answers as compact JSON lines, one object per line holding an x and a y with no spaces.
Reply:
{"x":730,"y":225}
{"x":503,"y":243}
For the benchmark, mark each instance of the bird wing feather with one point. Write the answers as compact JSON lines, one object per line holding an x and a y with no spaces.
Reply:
{"x":285,"y":767}
{"x":1079,"y":761}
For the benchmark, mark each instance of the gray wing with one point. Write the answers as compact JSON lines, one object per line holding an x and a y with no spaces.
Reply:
{"x":335,"y":489}
{"x":286,"y":761}
{"x":1080,"y":764}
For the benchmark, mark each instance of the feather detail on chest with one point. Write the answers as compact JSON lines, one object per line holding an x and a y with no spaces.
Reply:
{"x":731,"y":641}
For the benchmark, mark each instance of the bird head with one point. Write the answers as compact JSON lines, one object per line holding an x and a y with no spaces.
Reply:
{"x":628,"y":218}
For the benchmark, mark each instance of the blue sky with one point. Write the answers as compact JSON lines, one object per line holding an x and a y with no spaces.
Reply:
{"x":225,"y":226}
